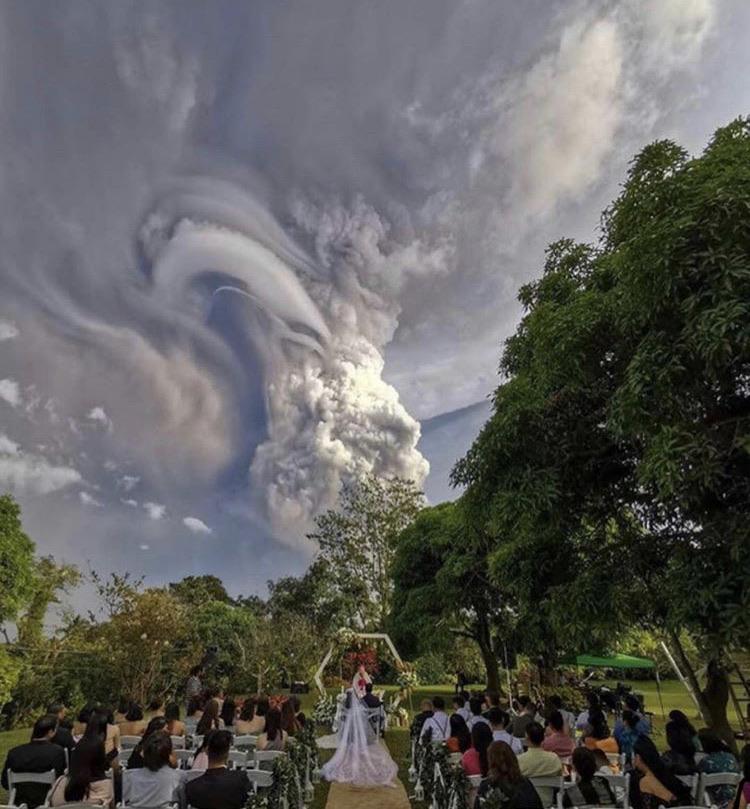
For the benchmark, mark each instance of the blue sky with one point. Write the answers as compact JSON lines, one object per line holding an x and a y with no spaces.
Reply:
{"x":253,"y":249}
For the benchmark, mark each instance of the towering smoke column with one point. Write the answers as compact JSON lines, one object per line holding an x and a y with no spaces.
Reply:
{"x":320,"y":328}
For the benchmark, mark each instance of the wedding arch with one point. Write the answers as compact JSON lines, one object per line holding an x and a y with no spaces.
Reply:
{"x":355,"y":636}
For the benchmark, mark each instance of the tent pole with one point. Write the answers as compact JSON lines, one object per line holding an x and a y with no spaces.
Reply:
{"x":658,"y":691}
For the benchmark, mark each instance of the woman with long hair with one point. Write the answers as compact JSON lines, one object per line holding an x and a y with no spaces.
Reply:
{"x":87,"y":780}
{"x":274,"y":737}
{"x":459,"y":740}
{"x":589,"y":788}
{"x":289,"y":721}
{"x":598,"y":735}
{"x":679,"y":759}
{"x":248,"y":722}
{"x":175,"y":727}
{"x":228,"y":711}
{"x":652,"y":784}
{"x":210,"y":720}
{"x":158,"y":781}
{"x":134,"y":723}
{"x":200,"y":760}
{"x":157,"y":725}
{"x":742,"y":798}
{"x":474,"y":760}
{"x":504,"y":782}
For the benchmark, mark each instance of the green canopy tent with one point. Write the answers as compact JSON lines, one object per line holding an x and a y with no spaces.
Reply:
{"x":616,"y":661}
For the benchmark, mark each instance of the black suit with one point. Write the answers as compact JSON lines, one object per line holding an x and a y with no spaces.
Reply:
{"x":64,"y":738}
{"x":37,"y":756}
{"x":219,"y":788}
{"x":371,"y":701}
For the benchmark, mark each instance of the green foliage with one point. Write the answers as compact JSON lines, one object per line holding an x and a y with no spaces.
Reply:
{"x":10,"y":670}
{"x":194,"y":591}
{"x":16,"y":560}
{"x":357,"y":542}
{"x":430,"y":668}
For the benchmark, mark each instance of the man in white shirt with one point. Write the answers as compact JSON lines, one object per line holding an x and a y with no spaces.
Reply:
{"x":499,"y":721}
{"x":461,"y":708}
{"x":476,"y":712}
{"x":438,"y":725}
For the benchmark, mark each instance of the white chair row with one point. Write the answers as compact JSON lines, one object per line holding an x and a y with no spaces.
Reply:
{"x":129,"y":742}
{"x":238,"y":759}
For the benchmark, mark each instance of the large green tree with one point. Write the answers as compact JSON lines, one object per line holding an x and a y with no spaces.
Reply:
{"x":357,"y":542}
{"x":16,"y":560}
{"x":614,"y":472}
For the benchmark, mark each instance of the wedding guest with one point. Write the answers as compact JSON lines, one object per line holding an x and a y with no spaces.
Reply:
{"x":38,"y":755}
{"x":156,"y":707}
{"x":134,"y":723}
{"x":499,"y":722}
{"x":679,"y":759}
{"x":742,"y":798}
{"x":200,"y":760}
{"x":589,"y":788}
{"x":123,"y":706}
{"x":557,"y":739}
{"x":157,"y":725}
{"x":460,"y":707}
{"x":158,"y":781}
{"x":583,"y":718}
{"x":228,"y":712}
{"x":248,"y":722}
{"x":651,"y":783}
{"x":679,"y":718}
{"x":219,"y":787}
{"x":460,"y":739}
{"x":525,"y":718}
{"x":597,"y":733}
{"x":628,"y":734}
{"x":79,"y":726}
{"x":504,"y":784}
{"x":64,"y":735}
{"x":718,"y":758}
{"x":370,"y":700}
{"x":474,"y":760}
{"x":273,"y":737}
{"x":475,"y":706}
{"x":538,"y":763}
{"x":424,"y":714}
{"x":210,"y":719}
{"x":438,"y":725}
{"x":87,"y":780}
{"x":175,"y":727}
{"x":302,"y":719}
{"x":289,"y":722}
{"x":556,"y":704}
{"x":193,"y":686}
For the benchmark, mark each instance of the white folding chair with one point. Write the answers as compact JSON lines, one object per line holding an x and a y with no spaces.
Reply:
{"x":556,"y":783}
{"x":717,"y":779}
{"x":21,"y":806}
{"x":245,"y":741}
{"x":238,"y":759}
{"x":17,"y":778}
{"x":475,"y":781}
{"x":178,"y":742}
{"x":80,"y":805}
{"x":184,"y":758}
{"x":261,"y":757}
{"x":259,"y":779}
{"x":124,"y":755}
{"x":195,"y":742}
{"x":127,"y":742}
{"x":692,"y":782}
{"x":620,"y":786}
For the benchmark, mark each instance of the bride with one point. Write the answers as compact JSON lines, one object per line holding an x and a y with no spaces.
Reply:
{"x":361,"y":758}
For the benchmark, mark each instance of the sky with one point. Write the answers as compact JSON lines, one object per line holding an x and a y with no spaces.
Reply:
{"x":253,"y":249}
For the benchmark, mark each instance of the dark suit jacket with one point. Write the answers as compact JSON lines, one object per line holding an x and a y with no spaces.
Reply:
{"x":33,"y":757}
{"x":371,"y":701}
{"x":219,"y":788}
{"x":64,"y":738}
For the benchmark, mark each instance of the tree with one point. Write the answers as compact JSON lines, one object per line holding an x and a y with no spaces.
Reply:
{"x":621,"y":434}
{"x":357,"y":542}
{"x":195,"y":590}
{"x":441,"y":579}
{"x":16,"y":560}
{"x":227,"y":628}
{"x":48,"y":580}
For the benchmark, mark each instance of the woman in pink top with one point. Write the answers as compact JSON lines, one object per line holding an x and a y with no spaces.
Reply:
{"x":556,"y":739}
{"x":474,"y":760}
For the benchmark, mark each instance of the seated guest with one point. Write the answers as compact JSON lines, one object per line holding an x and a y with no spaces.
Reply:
{"x":525,"y":718}
{"x":200,"y":759}
{"x":134,"y":723}
{"x":157,"y":725}
{"x":597,"y":733}
{"x":175,"y":727}
{"x":556,"y":704}
{"x":679,"y":759}
{"x":628,"y":733}
{"x":742,"y":799}
{"x":289,"y":722}
{"x":424,"y":714}
{"x":460,"y":707}
{"x":590,"y":788}
{"x":474,"y":760}
{"x":651,"y":783}
{"x":718,"y":758}
{"x":583,"y":718}
{"x":248,"y":722}
{"x":101,"y":728}
{"x":228,"y":712}
{"x":460,"y":739}
{"x":302,"y":719}
{"x":538,"y":763}
{"x":273,"y":737}
{"x":79,"y":726}
{"x":219,"y":788}
{"x":437,"y":727}
{"x":679,"y":718}
{"x":370,"y":700}
{"x":499,"y":722}
{"x":159,"y":780}
{"x":557,"y":739}
{"x":123,"y":706}
{"x":210,"y":720}
{"x":491,"y":700}
{"x":64,"y":735}
{"x":87,"y":780}
{"x":643,"y":726}
{"x":475,"y":706}
{"x":504,"y":785}
{"x":156,"y":707}
{"x":39,"y":755}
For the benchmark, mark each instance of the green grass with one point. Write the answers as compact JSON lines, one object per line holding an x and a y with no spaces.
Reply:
{"x":397,"y":739}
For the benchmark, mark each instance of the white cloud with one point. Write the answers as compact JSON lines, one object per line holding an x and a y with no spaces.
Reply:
{"x":155,"y":511}
{"x":89,"y":500}
{"x":10,"y":392}
{"x":31,"y":473}
{"x":110,"y":466}
{"x":129,"y":502}
{"x":144,"y":547}
{"x":128,"y":482}
{"x":99,"y":415}
{"x":8,"y":330}
{"x":196,"y":526}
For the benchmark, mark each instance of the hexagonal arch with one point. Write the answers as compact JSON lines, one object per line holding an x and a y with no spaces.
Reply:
{"x":362,"y":636}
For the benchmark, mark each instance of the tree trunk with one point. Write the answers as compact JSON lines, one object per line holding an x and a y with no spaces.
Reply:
{"x":691,"y":676}
{"x":487,"y":650}
{"x":716,"y":697}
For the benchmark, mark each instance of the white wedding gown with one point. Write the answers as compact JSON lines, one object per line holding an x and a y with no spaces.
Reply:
{"x":361,"y":758}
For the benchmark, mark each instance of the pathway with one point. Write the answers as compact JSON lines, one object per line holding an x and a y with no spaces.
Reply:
{"x":346,"y":796}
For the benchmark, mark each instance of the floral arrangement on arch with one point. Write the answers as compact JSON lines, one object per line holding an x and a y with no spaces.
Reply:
{"x":407,"y":678}
{"x":353,"y":659}
{"x":324,"y":711}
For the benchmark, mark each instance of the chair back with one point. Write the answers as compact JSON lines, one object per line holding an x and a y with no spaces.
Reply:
{"x":692,"y":782}
{"x":195,"y":742}
{"x":8,"y":806}
{"x":178,"y":742}
{"x":238,"y":759}
{"x":715,"y":779}
{"x":259,"y":779}
{"x":124,"y":755}
{"x":620,"y":786}
{"x":261,"y":757}
{"x":184,"y":758}
{"x":245,"y":741}
{"x":455,"y":758}
{"x":475,"y":781}
{"x":543,"y":783}
{"x":127,"y":742}
{"x":16,"y":778}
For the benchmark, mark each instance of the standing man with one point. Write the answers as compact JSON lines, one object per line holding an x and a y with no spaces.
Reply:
{"x":193,"y":687}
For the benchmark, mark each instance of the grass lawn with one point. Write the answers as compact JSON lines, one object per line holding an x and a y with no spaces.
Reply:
{"x":397,"y":739}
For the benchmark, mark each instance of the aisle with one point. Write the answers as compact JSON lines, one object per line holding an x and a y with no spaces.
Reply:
{"x":345,"y":796}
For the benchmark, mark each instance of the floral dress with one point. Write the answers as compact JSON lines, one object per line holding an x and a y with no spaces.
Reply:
{"x":720,"y":762}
